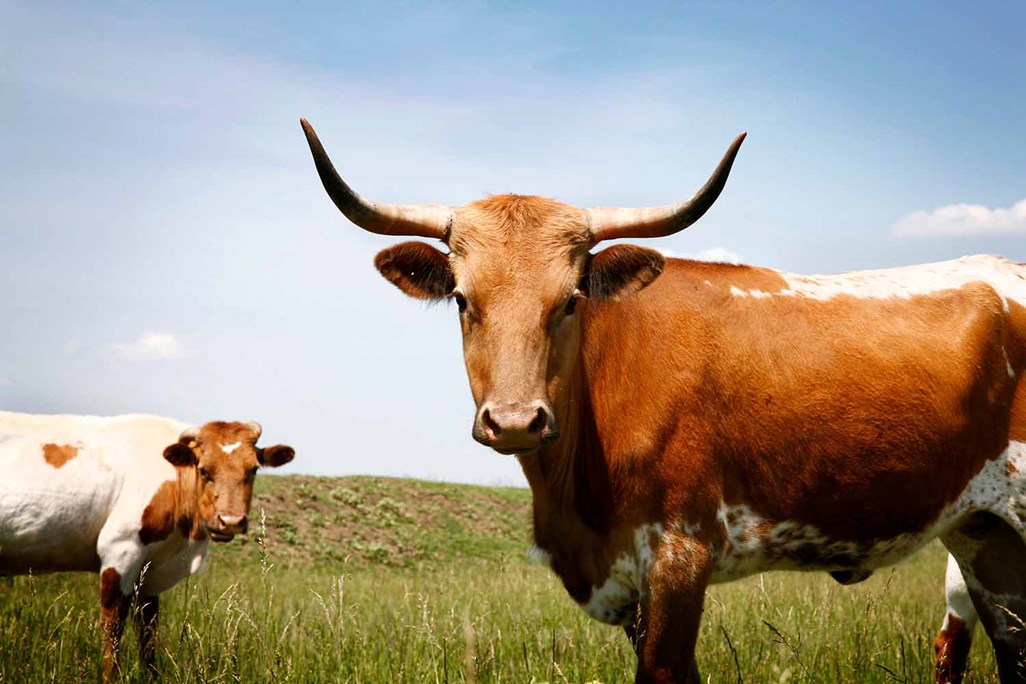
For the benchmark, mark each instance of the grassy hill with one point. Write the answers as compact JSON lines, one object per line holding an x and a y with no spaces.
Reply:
{"x":380,"y":521}
{"x":361,"y":580}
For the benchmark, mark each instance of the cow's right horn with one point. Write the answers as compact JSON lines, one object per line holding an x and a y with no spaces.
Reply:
{"x":189,"y":434}
{"x":424,"y":220}
{"x":610,"y":223}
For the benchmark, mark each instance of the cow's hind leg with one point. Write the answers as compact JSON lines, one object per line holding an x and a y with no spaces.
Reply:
{"x":991,"y":555}
{"x":956,"y":633}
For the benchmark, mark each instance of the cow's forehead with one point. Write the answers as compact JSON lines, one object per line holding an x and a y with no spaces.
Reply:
{"x":221,"y":434}
{"x":522,"y":222}
{"x":509,"y":240}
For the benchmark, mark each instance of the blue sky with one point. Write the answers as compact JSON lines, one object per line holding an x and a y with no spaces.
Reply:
{"x":166,"y":246}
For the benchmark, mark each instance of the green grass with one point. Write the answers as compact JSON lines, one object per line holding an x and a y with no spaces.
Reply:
{"x":457,"y":603}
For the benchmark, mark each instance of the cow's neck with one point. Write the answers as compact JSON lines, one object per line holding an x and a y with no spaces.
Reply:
{"x":574,"y":506}
{"x":188,"y":489}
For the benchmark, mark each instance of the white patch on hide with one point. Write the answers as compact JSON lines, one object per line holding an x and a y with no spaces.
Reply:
{"x":615,"y":601}
{"x":906,"y":282}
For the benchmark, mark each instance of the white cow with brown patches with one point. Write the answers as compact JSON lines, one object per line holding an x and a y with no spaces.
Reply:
{"x":134,"y":498}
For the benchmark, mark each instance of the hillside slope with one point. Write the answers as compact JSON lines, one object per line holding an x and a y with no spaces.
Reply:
{"x":379,"y":521}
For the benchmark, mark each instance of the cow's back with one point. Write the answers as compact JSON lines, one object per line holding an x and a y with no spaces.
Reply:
{"x":64,"y":477}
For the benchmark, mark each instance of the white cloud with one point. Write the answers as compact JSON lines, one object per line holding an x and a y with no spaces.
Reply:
{"x":150,"y":345}
{"x":964,"y":219}
{"x":721,"y":254}
{"x":5,"y":381}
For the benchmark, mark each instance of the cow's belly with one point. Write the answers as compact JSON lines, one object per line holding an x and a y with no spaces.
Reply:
{"x":50,"y":518}
{"x":754,"y":544}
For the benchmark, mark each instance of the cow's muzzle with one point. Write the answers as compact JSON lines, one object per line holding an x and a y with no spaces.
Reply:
{"x":226,"y":526}
{"x":517,"y":427}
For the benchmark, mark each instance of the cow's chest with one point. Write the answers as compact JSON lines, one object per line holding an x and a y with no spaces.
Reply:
{"x":608,"y":592}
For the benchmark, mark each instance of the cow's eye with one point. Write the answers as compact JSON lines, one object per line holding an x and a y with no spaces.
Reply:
{"x":205,"y":474}
{"x":461,"y":301}
{"x":571,"y":304}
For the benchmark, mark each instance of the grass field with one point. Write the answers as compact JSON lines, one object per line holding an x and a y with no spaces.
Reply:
{"x":376,"y":580}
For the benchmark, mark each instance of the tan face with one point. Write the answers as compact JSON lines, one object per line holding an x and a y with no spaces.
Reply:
{"x":517,"y":266}
{"x":226,"y":459}
{"x":517,"y":270}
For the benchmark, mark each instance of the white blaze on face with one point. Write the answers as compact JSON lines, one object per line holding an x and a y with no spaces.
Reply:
{"x":229,"y":448}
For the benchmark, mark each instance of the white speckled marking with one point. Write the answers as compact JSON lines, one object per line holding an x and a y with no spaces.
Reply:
{"x":754,"y":544}
{"x":614,"y":602}
{"x":229,"y":448}
{"x":755,"y":294}
{"x":906,"y":282}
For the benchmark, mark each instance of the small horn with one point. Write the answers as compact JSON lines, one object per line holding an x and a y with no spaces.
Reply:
{"x":255,"y":427}
{"x":424,"y":220}
{"x":189,"y":434}
{"x":609,"y":223}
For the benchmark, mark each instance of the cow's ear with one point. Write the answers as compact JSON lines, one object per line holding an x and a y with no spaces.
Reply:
{"x":274,"y":456}
{"x":417,"y":269}
{"x":621,"y":270}
{"x":180,"y":454}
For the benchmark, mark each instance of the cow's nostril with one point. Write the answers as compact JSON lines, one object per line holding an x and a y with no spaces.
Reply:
{"x":539,"y":421}
{"x":490,"y":424}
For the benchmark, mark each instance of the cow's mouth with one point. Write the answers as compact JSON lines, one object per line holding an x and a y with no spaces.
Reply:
{"x":218,"y":536}
{"x":510,"y":451}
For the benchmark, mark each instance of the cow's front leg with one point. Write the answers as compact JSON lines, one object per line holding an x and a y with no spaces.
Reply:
{"x":670,"y":613}
{"x":147,"y":613}
{"x":114,"y":603}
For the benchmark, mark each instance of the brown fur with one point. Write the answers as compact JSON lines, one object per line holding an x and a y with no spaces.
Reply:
{"x":113,"y":611}
{"x":209,"y":482}
{"x":58,"y":455}
{"x":683,"y":396}
{"x":173,"y":507}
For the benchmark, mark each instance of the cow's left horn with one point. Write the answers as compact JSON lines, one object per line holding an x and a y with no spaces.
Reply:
{"x":609,"y":223}
{"x":189,"y":434}
{"x":424,"y":220}
{"x":256,"y":428}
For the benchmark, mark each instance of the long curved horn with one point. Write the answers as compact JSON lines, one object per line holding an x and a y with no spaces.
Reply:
{"x":609,"y":223}
{"x":424,"y":220}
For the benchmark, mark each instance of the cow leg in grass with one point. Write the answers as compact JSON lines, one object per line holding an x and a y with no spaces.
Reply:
{"x":114,"y":603}
{"x":992,"y":558}
{"x":670,"y":614}
{"x":956,"y":633}
{"x":147,"y":613}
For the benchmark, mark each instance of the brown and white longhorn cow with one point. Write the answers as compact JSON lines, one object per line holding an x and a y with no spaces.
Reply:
{"x":133,"y":498}
{"x":682,"y":423}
